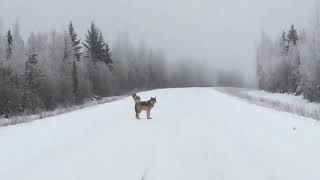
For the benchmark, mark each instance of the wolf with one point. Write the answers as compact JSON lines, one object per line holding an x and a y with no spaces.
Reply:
{"x":136,"y":98}
{"x":145,"y":106}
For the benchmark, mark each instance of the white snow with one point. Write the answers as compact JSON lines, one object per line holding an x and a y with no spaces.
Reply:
{"x":195,"y":133}
{"x":291,"y":99}
{"x":282,"y":102}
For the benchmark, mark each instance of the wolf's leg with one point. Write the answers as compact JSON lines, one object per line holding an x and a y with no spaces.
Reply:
{"x":137,"y":111}
{"x":148,"y":114}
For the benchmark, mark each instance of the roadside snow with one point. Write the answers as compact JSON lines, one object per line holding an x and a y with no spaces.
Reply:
{"x":281,"y":102}
{"x":297,"y":101}
{"x":25,"y":119}
{"x":195,"y":133}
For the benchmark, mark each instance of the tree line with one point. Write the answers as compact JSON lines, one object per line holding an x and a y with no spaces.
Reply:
{"x":57,"y":69}
{"x":291,"y":63}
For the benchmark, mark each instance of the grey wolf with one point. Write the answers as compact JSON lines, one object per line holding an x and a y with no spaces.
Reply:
{"x":145,"y":106}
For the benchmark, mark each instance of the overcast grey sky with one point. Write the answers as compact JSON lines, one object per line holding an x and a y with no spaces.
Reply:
{"x":222,"y":31}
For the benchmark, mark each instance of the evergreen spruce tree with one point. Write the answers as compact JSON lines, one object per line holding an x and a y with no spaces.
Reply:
{"x":294,"y":77}
{"x":293,"y":36}
{"x":6,"y":89}
{"x":98,"y":53}
{"x":9,"y":45}
{"x":75,"y":83}
{"x":77,"y":56}
{"x":75,"y":42}
{"x":94,"y":44}
{"x":96,"y":47}
{"x":32,"y":85}
{"x":108,"y":57}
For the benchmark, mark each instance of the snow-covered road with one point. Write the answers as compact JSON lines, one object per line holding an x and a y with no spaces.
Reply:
{"x":195,"y":133}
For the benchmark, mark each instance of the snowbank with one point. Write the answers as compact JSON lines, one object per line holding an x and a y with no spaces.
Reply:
{"x":283,"y":102}
{"x":24,"y":119}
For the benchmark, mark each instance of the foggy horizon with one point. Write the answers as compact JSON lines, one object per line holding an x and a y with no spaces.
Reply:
{"x":221,"y":32}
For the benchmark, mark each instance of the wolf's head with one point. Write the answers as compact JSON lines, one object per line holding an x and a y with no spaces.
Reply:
{"x":153,"y":100}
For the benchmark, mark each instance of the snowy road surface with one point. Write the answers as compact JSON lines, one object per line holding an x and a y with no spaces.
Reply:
{"x":195,"y":134}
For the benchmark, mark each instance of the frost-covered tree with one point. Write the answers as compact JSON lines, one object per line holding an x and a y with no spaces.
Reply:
{"x":296,"y":68}
{"x":76,"y":58}
{"x":75,"y":42}
{"x":278,"y":63}
{"x":294,"y":77}
{"x":310,"y":62}
{"x":9,"y":45}
{"x":293,"y":36}
{"x":94,"y":44}
{"x":66,"y":70}
{"x":107,"y":55}
{"x":32,"y":84}
{"x":97,"y":50}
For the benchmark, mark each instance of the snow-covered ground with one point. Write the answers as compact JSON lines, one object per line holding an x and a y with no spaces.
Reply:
{"x":291,"y":99}
{"x":282,"y":102}
{"x":195,"y":133}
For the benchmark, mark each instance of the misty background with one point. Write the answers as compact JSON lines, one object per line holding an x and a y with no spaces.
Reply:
{"x":222,"y":32}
